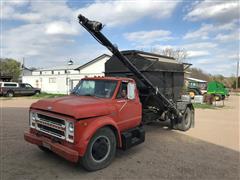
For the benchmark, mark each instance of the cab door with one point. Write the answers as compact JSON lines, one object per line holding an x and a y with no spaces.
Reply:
{"x":22,"y":89}
{"x":129,"y":109}
{"x":29,"y":89}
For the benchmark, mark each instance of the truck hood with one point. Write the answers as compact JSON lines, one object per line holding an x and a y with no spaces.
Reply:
{"x":75,"y":106}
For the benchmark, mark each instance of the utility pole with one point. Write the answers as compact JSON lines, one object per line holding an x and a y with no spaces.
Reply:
{"x":237,"y":73}
{"x":70,"y":62}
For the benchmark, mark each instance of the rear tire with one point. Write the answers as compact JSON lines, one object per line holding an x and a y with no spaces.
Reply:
{"x":223,"y":97}
{"x":37,"y":93}
{"x":10,"y":94}
{"x":186,"y":120}
{"x":217,"y":97}
{"x":100,"y":151}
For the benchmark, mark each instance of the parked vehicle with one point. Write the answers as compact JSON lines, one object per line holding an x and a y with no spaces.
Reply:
{"x":218,"y":90}
{"x":11,"y":89}
{"x":106,"y":113}
{"x":196,"y":87}
{"x":193,"y":91}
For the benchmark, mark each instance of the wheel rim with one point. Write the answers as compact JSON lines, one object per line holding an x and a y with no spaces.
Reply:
{"x":191,"y":94}
{"x":217,"y":98}
{"x":100,"y":148}
{"x":10,"y":94}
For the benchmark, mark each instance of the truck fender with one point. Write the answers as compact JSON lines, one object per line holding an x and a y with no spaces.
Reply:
{"x":91,"y":127}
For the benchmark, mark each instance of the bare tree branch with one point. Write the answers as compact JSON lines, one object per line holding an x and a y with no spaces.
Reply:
{"x":178,"y":54}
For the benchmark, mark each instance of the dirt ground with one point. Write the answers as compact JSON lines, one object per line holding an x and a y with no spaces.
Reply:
{"x":209,"y":151}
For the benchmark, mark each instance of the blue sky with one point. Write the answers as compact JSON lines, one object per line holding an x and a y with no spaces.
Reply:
{"x":47,"y":33}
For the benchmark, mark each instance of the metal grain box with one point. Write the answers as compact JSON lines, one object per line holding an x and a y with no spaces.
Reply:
{"x":164,"y":72}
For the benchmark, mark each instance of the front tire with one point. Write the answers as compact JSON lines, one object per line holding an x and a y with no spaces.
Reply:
{"x":44,"y":149}
{"x":192,"y":94}
{"x":100,"y":151}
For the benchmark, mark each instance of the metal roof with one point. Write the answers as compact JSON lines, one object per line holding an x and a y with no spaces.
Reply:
{"x":197,"y":80}
{"x":146,"y":53}
{"x":93,"y":61}
{"x":66,"y":67}
{"x":74,"y":66}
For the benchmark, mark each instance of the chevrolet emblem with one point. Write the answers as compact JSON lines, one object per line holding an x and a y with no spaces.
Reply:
{"x":49,"y":107}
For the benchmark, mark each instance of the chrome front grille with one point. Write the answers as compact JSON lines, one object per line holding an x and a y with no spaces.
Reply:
{"x":51,"y":125}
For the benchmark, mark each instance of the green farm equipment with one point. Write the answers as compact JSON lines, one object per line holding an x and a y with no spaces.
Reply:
{"x":218,"y":90}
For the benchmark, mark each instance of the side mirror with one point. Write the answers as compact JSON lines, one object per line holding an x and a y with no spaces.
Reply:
{"x":131,"y":91}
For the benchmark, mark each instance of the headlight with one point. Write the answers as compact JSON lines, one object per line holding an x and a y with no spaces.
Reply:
{"x":71,"y":127}
{"x":70,"y":132}
{"x":34,"y":115}
{"x":32,"y":119}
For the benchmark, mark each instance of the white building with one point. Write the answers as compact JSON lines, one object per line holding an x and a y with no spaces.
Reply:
{"x":62,"y":79}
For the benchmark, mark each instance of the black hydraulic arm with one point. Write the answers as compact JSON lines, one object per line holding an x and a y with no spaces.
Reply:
{"x":94,"y":28}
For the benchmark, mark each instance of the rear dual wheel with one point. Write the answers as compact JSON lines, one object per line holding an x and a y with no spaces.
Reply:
{"x":187,"y":120}
{"x":100,"y":151}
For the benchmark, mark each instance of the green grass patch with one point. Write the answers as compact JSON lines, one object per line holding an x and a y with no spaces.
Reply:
{"x":6,"y":98}
{"x":203,"y":106}
{"x":47,"y":95}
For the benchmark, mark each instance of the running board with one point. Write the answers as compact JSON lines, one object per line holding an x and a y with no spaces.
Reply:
{"x":133,"y":137}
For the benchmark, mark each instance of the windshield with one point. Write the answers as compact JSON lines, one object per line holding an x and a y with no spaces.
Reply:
{"x":97,"y":88}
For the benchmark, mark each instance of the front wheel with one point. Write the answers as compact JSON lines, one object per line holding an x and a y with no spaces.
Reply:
{"x":100,"y":151}
{"x":44,"y":149}
{"x":192,"y":94}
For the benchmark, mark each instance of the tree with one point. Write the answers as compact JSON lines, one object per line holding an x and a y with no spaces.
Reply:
{"x":178,"y":54}
{"x":10,"y":67}
{"x":199,"y":74}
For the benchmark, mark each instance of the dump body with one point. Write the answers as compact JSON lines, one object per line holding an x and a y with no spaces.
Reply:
{"x":165,"y":73}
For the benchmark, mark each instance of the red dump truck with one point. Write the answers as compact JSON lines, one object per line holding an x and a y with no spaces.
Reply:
{"x":106,"y":113}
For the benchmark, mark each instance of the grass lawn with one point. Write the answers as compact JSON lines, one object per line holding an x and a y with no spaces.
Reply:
{"x":46,"y":95}
{"x":204,"y":106}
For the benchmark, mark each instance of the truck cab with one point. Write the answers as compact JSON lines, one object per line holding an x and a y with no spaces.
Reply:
{"x":100,"y":115}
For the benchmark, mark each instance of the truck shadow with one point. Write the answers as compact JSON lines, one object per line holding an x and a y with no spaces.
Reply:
{"x":165,"y":154}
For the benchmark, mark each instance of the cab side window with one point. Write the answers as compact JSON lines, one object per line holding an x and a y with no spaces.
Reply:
{"x":122,"y":92}
{"x":28,"y":86}
{"x":22,"y":85}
